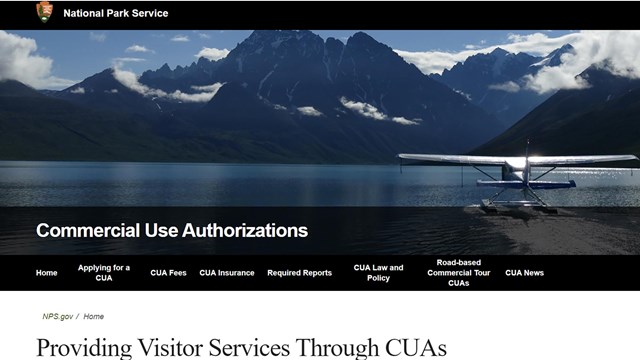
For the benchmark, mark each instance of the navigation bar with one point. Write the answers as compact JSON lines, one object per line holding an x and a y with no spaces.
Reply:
{"x":255,"y":272}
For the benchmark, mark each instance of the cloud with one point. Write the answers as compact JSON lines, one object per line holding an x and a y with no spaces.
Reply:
{"x":120,"y":61}
{"x":537,"y":44}
{"x":197,"y":97}
{"x":370,"y":111}
{"x":480,"y":45}
{"x":509,"y":86}
{"x":309,"y":111}
{"x":180,"y":38}
{"x":212,"y":87}
{"x":212,"y":53}
{"x":128,"y":59}
{"x":620,"y":48}
{"x":54,"y":82}
{"x":552,"y":79}
{"x":78,"y":90}
{"x":363,"y":109}
{"x":112,"y":91}
{"x":138,"y":48}
{"x":203,"y":35}
{"x":404,"y":121}
{"x":130,"y":80}
{"x":19,"y":61}
{"x":435,"y":62}
{"x":99,"y":37}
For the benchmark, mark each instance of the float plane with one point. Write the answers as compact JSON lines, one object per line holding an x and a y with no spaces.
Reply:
{"x":516,"y":172}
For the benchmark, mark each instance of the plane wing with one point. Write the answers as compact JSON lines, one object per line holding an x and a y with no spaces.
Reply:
{"x":463,"y":159}
{"x":533,"y":160}
{"x":576,"y":160}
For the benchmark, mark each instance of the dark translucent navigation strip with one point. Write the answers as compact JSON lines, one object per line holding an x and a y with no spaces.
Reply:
{"x":213,"y":273}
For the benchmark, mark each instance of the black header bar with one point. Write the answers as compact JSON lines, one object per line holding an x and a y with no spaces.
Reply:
{"x":201,"y":15}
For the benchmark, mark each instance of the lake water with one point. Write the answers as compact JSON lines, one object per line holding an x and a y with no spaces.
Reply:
{"x":25,"y":183}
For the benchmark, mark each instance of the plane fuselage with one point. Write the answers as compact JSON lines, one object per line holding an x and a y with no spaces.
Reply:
{"x":519,"y":170}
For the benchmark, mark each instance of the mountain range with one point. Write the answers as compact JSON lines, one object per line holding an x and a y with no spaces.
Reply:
{"x":34,"y":126}
{"x":601,"y":119}
{"x":292,"y":97}
{"x":496,"y":82}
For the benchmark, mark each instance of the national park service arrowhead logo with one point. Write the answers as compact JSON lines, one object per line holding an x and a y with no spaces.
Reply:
{"x":44,"y":10}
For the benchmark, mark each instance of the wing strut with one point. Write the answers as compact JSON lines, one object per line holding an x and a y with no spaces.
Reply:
{"x":492,"y":178}
{"x":545,"y":173}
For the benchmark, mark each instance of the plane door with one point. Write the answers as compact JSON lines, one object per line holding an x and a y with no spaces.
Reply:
{"x":506,"y":172}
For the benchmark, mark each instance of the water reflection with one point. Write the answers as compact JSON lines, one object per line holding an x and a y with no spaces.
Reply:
{"x":171,"y":184}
